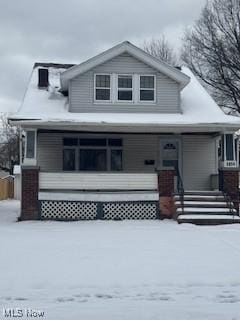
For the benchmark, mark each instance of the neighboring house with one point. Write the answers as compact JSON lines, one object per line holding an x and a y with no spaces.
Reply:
{"x":111,"y":136}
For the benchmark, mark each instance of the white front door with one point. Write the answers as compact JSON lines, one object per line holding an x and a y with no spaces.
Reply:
{"x":170,"y":153}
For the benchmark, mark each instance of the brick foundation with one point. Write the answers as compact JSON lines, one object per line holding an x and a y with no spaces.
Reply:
{"x":166,"y":189}
{"x":30,"y":186}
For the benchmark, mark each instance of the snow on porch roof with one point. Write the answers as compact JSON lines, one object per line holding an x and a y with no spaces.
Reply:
{"x":49,"y":107}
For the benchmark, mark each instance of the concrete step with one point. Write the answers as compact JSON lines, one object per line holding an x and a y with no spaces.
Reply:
{"x":201,"y":198}
{"x":203,"y":204}
{"x":206,"y":210}
{"x":208,"y":219}
{"x":203,"y":192}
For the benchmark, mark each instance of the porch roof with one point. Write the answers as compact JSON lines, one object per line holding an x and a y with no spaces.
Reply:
{"x":49,"y":108}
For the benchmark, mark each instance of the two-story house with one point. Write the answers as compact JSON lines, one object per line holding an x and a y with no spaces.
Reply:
{"x":125,"y":135}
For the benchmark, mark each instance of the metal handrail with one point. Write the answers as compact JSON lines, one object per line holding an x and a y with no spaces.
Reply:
{"x":180,"y":188}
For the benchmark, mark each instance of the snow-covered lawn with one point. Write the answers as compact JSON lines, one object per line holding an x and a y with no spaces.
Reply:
{"x":119,"y":270}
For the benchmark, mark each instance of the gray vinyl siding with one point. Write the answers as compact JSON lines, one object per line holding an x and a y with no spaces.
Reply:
{"x":136,"y":149}
{"x":199,"y":161}
{"x":198,"y":156}
{"x":81,"y":89}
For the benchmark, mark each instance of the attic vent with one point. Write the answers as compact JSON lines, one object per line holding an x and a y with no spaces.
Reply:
{"x":43,"y":78}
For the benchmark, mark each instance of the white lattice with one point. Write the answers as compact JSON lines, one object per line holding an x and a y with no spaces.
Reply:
{"x":130,"y":210}
{"x":67,"y":210}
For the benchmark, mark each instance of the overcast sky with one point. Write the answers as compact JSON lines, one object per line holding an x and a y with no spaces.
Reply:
{"x":73,"y":30}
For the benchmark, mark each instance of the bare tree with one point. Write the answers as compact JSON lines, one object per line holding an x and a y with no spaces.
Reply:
{"x":9,"y":145}
{"x":161,"y":49}
{"x":212,"y":50}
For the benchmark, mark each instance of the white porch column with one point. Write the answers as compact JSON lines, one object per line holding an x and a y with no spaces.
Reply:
{"x":229,"y":151}
{"x":30,"y":148}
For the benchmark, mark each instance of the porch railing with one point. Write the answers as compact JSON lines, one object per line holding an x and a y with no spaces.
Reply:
{"x":98,"y":181}
{"x":180,"y":188}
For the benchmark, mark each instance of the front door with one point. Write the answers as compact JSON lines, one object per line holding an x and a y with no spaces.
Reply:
{"x":170,"y":153}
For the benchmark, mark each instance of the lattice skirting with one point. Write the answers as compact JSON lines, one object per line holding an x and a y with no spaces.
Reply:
{"x":74,"y":210}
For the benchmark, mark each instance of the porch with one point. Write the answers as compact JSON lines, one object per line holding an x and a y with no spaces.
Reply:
{"x":118,"y":175}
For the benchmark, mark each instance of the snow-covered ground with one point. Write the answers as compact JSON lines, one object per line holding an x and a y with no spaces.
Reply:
{"x":119,"y":270}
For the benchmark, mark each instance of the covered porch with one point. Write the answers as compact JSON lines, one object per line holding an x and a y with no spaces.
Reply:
{"x":89,"y":175}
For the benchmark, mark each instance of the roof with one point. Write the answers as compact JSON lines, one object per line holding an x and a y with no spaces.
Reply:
{"x":49,"y":108}
{"x":136,"y":52}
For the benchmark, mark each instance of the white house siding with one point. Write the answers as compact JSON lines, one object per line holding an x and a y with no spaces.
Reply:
{"x":82,"y":89}
{"x":198,"y":161}
{"x":198,"y":155}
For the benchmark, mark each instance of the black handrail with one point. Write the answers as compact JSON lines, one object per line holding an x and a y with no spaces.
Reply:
{"x":180,"y":188}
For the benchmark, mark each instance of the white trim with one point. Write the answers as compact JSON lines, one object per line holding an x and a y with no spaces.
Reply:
{"x":99,"y":196}
{"x":138,"y":53}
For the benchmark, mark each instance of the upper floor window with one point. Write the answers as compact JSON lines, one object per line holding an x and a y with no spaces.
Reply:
{"x":128,"y":88}
{"x":102,"y":87}
{"x":125,"y":88}
{"x":147,"y":88}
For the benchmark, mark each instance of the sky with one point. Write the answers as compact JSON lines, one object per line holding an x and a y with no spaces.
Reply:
{"x":74,"y":30}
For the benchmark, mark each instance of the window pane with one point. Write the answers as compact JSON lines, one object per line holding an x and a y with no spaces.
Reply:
{"x":115,"y":142}
{"x":93,"y":142}
{"x":70,"y":141}
{"x":116,"y":160}
{"x":124,"y":81}
{"x":229,"y":147}
{"x":30,"y":152}
{"x":93,"y":160}
{"x":146,"y":82}
{"x":102,"y":94}
{"x":125,"y":95}
{"x":103,"y":81}
{"x":69,"y":159}
{"x":146,"y":95}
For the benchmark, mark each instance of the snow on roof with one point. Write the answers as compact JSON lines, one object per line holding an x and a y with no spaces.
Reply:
{"x":43,"y":106}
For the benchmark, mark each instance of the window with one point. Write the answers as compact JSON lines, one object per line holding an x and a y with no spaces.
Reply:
{"x":69,"y":156}
{"x":102,"y":87}
{"x":147,"y":88}
{"x":116,"y":160}
{"x":92,"y":154}
{"x":30,"y":144}
{"x":229,"y":147}
{"x":125,"y":90}
{"x":93,"y":159}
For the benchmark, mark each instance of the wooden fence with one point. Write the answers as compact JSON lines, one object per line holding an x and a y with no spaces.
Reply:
{"x":6,"y":189}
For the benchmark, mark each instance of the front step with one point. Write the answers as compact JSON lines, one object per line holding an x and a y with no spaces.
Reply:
{"x":203,"y":204}
{"x":201,"y":198}
{"x":202,"y":219}
{"x":205,"y":207}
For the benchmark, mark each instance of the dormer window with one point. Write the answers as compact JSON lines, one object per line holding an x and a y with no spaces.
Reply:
{"x":125,"y":88}
{"x":147,"y":88}
{"x":102,"y":87}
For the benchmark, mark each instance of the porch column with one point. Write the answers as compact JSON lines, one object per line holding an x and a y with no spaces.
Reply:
{"x":166,"y":186}
{"x":229,"y":166}
{"x":30,"y":177}
{"x":29,"y":199}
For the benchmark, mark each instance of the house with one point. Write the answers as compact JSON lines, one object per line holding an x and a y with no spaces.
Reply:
{"x":121,"y":133}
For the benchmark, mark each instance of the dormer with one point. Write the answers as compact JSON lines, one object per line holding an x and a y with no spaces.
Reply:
{"x":124,"y":79}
